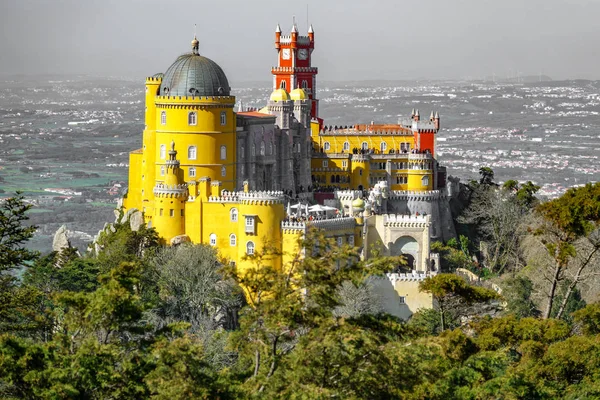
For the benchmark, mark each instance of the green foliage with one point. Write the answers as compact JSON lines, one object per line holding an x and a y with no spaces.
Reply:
{"x":517,"y":293}
{"x":486,"y":176}
{"x":14,"y":234}
{"x":453,"y":255}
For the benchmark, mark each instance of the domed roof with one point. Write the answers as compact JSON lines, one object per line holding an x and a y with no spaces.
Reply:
{"x":194,"y":75}
{"x":298,"y":94}
{"x":279,"y":95}
{"x":358,"y":204}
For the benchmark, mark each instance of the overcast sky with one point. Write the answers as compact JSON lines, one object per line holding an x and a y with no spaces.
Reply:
{"x":354,"y":39}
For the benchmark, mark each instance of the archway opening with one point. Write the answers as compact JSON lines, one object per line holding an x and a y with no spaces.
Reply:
{"x":408,"y":247}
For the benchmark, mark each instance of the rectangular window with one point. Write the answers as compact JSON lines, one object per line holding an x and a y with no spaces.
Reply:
{"x":163,"y":117}
{"x":163,"y":151}
{"x":401,"y":299}
{"x":223,"y":118}
{"x":171,"y":213}
{"x":160,"y":212}
{"x":182,"y":214}
{"x":340,"y":241}
{"x":192,"y":172}
{"x":162,"y":170}
{"x":250,"y":224}
{"x":351,"y":240}
{"x":325,"y":163}
{"x":345,"y":164}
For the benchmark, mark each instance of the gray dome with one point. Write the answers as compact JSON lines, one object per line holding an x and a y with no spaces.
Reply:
{"x":193,"y":74}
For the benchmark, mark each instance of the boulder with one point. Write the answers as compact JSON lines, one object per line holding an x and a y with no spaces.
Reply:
{"x":61,"y":239}
{"x":136,"y":220}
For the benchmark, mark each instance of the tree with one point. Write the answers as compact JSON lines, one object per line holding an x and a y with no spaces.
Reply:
{"x":486,"y":176}
{"x":517,"y":292}
{"x":14,"y":233}
{"x":564,"y":223}
{"x":453,"y":295}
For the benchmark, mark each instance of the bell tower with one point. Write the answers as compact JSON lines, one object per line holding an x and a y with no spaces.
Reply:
{"x":293,"y":70}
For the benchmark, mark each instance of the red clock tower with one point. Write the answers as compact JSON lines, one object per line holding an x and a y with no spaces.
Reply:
{"x":293,"y":64}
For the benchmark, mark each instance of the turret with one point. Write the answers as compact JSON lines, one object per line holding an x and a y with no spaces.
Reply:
{"x":277,"y":37}
{"x":294,"y":35}
{"x":416,"y":116}
{"x":311,"y":33}
{"x":436,"y":121}
{"x":170,"y":198}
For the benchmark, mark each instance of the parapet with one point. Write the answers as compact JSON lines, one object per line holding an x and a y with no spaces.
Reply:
{"x":332,"y":224}
{"x":407,"y":277}
{"x":425,"y":195}
{"x":254,"y":197}
{"x":406,"y":221}
{"x":178,"y":191}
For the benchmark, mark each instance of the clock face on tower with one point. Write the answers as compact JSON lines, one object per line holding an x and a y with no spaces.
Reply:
{"x":286,"y":54}
{"x":302,"y":54}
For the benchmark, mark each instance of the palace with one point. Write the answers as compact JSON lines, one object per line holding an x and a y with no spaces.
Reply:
{"x":207,"y":174}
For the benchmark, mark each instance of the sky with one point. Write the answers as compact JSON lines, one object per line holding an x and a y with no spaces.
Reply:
{"x":354,"y":39}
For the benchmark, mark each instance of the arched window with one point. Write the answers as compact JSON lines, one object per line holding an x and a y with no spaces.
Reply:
{"x":242,"y":152}
{"x":262,"y":148}
{"x":162,"y":170}
{"x":242,"y":171}
{"x":192,"y":118}
{"x":270,"y":148}
{"x":253,"y":150}
{"x":223,"y":152}
{"x":304,"y":84}
{"x":346,"y":146}
{"x":212,"y":239}
{"x":383,"y":146}
{"x":163,"y":117}
{"x":192,"y":172}
{"x":282,"y":85}
{"x":233,"y":215}
{"x":365,"y":145}
{"x":232,"y":240}
{"x":326,"y":146}
{"x":425,"y":181}
{"x":192,"y":152}
{"x":223,"y":118}
{"x":223,"y":171}
{"x":163,"y":151}
{"x":250,"y":248}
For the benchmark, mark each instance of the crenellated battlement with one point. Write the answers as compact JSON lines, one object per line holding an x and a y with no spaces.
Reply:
{"x":412,"y":276}
{"x":426,"y":195}
{"x":406,"y":221}
{"x":332,"y":224}
{"x":177,"y":191}
{"x":255,"y":197}
{"x":294,"y":69}
{"x":347,"y":194}
{"x":155,"y":80}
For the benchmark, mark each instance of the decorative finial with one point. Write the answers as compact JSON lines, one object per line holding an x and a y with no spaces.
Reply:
{"x":195,"y":42}
{"x":278,"y":29}
{"x":294,"y":27}
{"x":310,"y":29}
{"x":172,"y":145}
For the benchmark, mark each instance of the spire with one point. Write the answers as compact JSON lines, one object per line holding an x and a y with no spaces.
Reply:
{"x":412,"y":114}
{"x":437,"y":115}
{"x":240,"y":108}
{"x":310,"y":29}
{"x":431,"y":116}
{"x":294,"y":27}
{"x":195,"y":42}
{"x":278,"y":29}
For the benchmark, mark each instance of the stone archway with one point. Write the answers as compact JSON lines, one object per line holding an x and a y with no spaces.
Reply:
{"x":409,"y":247}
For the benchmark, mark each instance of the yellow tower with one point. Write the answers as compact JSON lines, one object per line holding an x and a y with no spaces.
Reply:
{"x":420,"y":172}
{"x":170,"y":197}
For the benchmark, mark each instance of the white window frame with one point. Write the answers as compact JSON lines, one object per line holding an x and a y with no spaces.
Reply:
{"x":192,"y":118}
{"x":233,"y":240}
{"x":223,"y":171}
{"x":162,"y":170}
{"x":192,"y":172}
{"x":346,"y":146}
{"x":383,"y":147}
{"x":223,"y":152}
{"x":351,"y":240}
{"x":163,"y":117}
{"x":326,"y":146}
{"x":192,"y":152}
{"x":250,"y":224}
{"x":325,"y":163}
{"x":340,"y":241}
{"x":163,"y":151}
{"x":344,"y":163}
{"x":364,"y":146}
{"x":425,"y":181}
{"x":223,"y":118}
{"x":212,"y":239}
{"x":233,"y":215}
{"x":250,"y":248}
